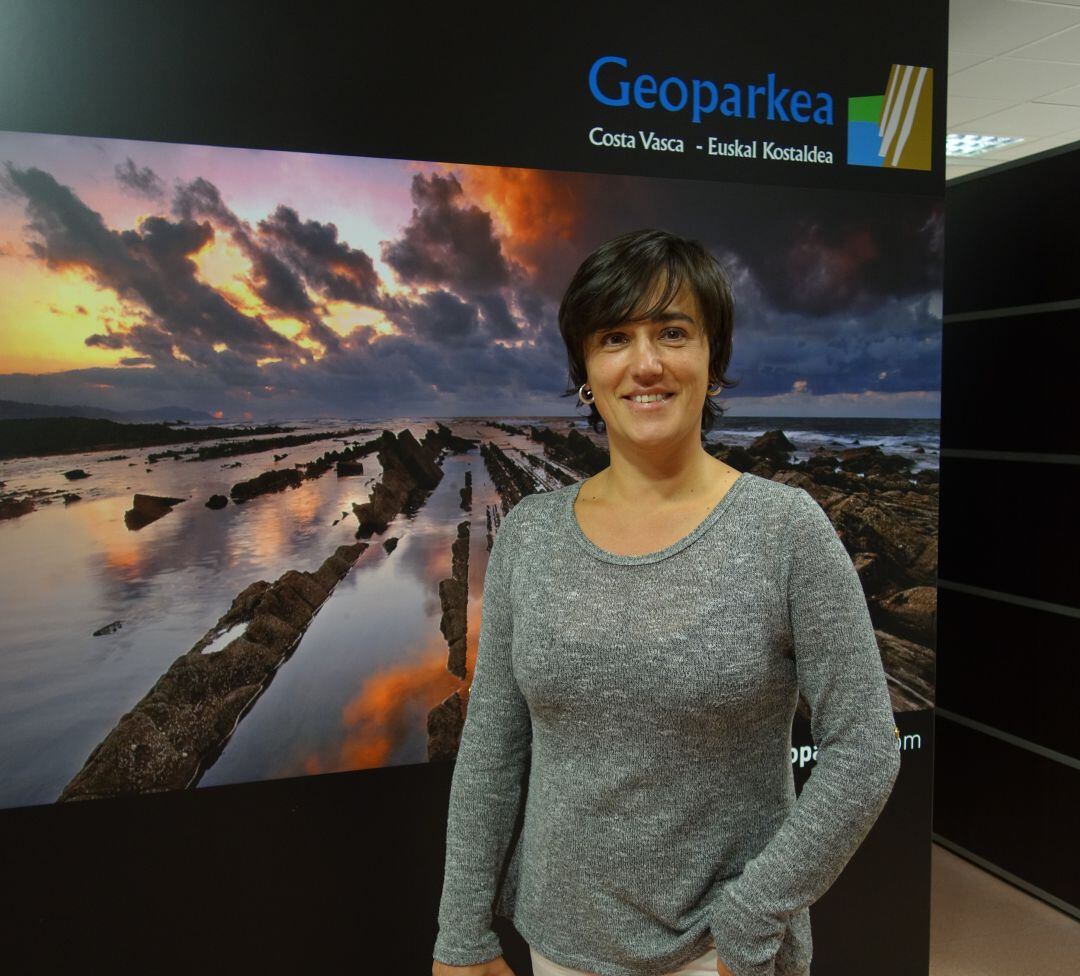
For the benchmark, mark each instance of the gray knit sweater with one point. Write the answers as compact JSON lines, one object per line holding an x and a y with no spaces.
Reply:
{"x":656,"y":695}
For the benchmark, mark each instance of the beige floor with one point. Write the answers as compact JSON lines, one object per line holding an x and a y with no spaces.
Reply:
{"x":983,"y":926}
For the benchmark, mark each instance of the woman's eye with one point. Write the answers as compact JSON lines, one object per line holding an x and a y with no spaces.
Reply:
{"x":671,"y":333}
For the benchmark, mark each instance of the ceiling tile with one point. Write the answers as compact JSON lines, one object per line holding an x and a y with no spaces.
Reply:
{"x":1013,"y":79}
{"x":1028,"y":148}
{"x":1064,"y":46}
{"x":958,"y":61}
{"x":1031,"y":147}
{"x":996,"y":26}
{"x":1065,"y":96}
{"x":962,"y":109}
{"x":1030,"y":119}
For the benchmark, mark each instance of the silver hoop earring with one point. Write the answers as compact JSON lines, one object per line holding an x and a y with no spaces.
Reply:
{"x":581,"y":394}
{"x":716,"y":392}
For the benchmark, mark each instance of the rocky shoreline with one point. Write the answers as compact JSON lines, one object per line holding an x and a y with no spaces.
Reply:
{"x":345,"y":460}
{"x":183,"y":722}
{"x":179,"y":728}
{"x":884,"y":512}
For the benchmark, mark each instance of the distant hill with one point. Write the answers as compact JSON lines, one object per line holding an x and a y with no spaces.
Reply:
{"x":39,"y":436}
{"x":14,"y":410}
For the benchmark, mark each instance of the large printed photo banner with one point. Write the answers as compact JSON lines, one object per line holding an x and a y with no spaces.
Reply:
{"x":263,"y":412}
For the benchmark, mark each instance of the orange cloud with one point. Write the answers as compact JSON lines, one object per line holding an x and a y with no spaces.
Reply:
{"x":529,"y":206}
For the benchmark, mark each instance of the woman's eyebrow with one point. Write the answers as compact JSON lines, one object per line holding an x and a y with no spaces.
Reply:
{"x":665,"y":316}
{"x":669,"y":316}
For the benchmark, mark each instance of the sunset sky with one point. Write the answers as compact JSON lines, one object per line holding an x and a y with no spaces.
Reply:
{"x":253,"y":284}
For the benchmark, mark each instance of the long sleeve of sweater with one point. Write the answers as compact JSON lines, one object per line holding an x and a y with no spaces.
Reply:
{"x":841,"y":677}
{"x":486,"y":789}
{"x":651,"y":697}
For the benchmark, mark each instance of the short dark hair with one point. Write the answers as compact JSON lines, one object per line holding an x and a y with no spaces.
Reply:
{"x":610,"y":287}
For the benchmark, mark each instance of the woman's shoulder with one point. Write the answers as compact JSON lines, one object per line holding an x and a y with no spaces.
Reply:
{"x":777,"y":495}
{"x":536,"y":508}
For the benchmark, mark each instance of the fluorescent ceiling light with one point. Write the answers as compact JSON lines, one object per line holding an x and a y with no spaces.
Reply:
{"x":959,"y":144}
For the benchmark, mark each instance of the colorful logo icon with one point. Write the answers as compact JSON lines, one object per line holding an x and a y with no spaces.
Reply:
{"x":894,"y":128}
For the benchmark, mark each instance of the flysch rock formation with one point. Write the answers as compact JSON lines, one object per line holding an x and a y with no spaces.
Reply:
{"x":442,"y":438}
{"x":280,"y":479}
{"x":454,"y":597}
{"x":276,"y":479}
{"x":409,"y":471}
{"x":182,"y":724}
{"x":573,"y":450}
{"x":511,"y":481}
{"x":447,"y":719}
{"x":16,"y":504}
{"x":557,"y":473}
{"x":494,"y":520}
{"x":466,"y":493}
{"x":14,"y":507}
{"x":444,"y":725}
{"x":148,"y":508}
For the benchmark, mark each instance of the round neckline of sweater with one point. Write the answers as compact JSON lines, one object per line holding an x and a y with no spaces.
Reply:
{"x":650,"y":557}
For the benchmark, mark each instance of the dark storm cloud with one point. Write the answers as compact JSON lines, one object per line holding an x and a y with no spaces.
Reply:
{"x":333,"y":269}
{"x":398,"y":374}
{"x":895,"y":347}
{"x":534,"y":308}
{"x":288,"y":257}
{"x":142,"y":181}
{"x":816,"y":252}
{"x":840,"y":291}
{"x":498,"y":322}
{"x":150,"y":267}
{"x":199,"y":198}
{"x":844,"y":259}
{"x":438,"y":316}
{"x":448,"y":241}
{"x":270,"y":279}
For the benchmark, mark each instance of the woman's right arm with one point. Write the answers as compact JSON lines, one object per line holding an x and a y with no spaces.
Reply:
{"x":486,"y":790}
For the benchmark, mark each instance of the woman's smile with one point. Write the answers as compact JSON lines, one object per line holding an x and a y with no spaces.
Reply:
{"x":650,"y":405}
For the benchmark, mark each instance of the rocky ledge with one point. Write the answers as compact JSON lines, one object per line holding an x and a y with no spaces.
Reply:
{"x":181,"y":725}
{"x":454,"y":597}
{"x":409,"y":471}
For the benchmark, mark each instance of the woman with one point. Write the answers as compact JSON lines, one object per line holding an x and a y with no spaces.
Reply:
{"x":644,"y":639}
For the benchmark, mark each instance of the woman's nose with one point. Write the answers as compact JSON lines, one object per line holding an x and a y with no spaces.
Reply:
{"x":645,"y":358}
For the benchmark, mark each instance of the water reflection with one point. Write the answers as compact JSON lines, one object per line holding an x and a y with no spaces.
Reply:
{"x":78,"y":568}
{"x":372,"y":664}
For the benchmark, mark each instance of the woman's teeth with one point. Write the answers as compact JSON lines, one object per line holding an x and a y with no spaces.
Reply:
{"x":650,"y":399}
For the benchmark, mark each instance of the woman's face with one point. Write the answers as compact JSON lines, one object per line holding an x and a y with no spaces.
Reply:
{"x":669,"y":353}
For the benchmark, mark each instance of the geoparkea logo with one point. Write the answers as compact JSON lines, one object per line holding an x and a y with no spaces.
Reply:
{"x":612,"y":82}
{"x":895,"y":127}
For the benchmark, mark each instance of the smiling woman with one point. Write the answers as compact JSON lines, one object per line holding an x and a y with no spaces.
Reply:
{"x":645,"y":638}
{"x":648,"y":290}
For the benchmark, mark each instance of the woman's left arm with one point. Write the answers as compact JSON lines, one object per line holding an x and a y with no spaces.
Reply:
{"x":842,"y":679}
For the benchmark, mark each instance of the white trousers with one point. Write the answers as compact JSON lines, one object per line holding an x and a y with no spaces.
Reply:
{"x":702,"y":966}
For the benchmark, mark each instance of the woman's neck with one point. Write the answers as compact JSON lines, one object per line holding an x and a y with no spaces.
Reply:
{"x":639,"y":478}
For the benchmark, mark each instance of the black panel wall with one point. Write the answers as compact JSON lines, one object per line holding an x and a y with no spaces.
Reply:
{"x":1007,"y":762}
